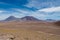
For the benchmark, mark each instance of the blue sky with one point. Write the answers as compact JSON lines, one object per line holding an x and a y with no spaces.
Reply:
{"x":41,"y":9}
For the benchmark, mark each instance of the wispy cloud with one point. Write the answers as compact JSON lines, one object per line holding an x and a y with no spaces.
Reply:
{"x":38,"y":14}
{"x":52,"y":9}
{"x":3,"y":15}
{"x":39,"y":4}
{"x":1,"y":11}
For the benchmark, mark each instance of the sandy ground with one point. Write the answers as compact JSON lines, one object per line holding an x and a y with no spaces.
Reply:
{"x":29,"y":31}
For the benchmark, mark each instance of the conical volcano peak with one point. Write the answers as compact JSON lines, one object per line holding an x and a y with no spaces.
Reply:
{"x":29,"y":18}
{"x":11,"y":18}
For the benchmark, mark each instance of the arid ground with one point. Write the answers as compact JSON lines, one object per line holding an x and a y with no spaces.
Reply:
{"x":30,"y":30}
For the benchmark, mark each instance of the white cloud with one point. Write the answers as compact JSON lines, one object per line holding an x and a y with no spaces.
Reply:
{"x":21,"y":11}
{"x":52,"y":9}
{"x":33,"y":3}
{"x":38,"y":14}
{"x":39,"y":4}
{"x":4,"y":16}
{"x":1,"y":11}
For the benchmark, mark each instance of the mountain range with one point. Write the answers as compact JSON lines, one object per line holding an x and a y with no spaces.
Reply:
{"x":26,"y":18}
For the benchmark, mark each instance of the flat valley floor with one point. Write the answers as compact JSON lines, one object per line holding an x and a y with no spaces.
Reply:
{"x":30,"y":30}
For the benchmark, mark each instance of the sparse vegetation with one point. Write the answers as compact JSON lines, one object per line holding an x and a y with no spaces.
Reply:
{"x":29,"y":31}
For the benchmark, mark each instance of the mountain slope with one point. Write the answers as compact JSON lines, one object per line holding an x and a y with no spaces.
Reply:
{"x":11,"y":18}
{"x":29,"y":18}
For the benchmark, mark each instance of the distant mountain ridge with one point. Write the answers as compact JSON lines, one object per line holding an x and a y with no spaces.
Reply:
{"x":26,"y":18}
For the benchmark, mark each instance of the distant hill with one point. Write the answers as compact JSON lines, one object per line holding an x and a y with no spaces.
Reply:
{"x":11,"y":18}
{"x":50,"y":20}
{"x":29,"y":18}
